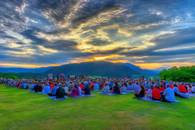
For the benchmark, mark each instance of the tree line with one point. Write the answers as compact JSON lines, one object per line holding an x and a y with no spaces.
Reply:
{"x":182,"y":74}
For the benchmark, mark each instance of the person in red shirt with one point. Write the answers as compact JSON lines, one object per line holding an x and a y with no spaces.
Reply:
{"x":182,"y":88}
{"x":162,"y":88}
{"x":81,"y":86}
{"x":156,"y":93}
{"x":51,"y":84}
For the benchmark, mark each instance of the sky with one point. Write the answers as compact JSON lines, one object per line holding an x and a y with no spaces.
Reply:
{"x":148,"y":33}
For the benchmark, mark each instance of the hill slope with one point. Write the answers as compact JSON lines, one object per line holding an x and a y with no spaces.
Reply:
{"x":107,"y":69}
{"x":100,"y":69}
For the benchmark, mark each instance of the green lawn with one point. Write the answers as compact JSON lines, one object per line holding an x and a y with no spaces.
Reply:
{"x":22,"y":110}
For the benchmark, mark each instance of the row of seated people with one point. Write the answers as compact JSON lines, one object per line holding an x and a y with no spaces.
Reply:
{"x":79,"y":87}
{"x":166,"y":94}
{"x":61,"y":91}
{"x":109,"y":89}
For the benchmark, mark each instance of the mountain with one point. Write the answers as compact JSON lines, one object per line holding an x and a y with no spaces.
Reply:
{"x":106,"y":69}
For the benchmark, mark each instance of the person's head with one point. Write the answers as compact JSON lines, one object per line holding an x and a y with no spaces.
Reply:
{"x":116,"y":84}
{"x":75,"y":86}
{"x":125,"y":84}
{"x":142,"y":87}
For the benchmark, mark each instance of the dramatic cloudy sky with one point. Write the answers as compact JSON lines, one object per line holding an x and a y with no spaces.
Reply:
{"x":148,"y":33}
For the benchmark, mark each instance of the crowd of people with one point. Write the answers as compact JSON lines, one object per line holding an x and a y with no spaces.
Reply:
{"x":82,"y":86}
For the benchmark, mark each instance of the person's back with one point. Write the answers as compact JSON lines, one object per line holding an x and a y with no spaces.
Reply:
{"x":162,"y":89}
{"x":169,"y":94}
{"x":80,"y":91}
{"x":193,"y":89}
{"x":142,"y":92}
{"x":123,"y":90}
{"x":54,"y":90}
{"x":156,"y":93}
{"x":116,"y":90}
{"x":81,"y":86}
{"x":46,"y":89}
{"x":96,"y":86}
{"x":149,"y":93}
{"x":75,"y":92}
{"x":137,"y":88}
{"x":130,"y":87}
{"x":180,"y":94}
{"x":60,"y":93}
{"x":106,"y":90}
{"x":182,"y":89}
{"x":32,"y":86}
{"x":66,"y":89}
{"x":87,"y":90}
{"x":36,"y":88}
{"x":24,"y":85}
{"x":52,"y":85}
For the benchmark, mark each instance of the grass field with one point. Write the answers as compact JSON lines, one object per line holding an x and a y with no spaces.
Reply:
{"x":22,"y":110}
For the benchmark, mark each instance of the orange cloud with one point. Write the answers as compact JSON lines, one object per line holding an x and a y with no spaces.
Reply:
{"x":158,"y":65}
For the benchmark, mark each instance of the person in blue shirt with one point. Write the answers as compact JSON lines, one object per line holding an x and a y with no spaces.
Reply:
{"x":54,"y":90}
{"x":106,"y":89}
{"x":46,"y":89}
{"x":96,"y":86}
{"x":24,"y":85}
{"x":168,"y":95}
{"x":123,"y":89}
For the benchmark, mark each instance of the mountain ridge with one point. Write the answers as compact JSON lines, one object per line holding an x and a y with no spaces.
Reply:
{"x":102,"y":68}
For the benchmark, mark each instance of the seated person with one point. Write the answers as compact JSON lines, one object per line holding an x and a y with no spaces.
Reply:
{"x":31,"y":88}
{"x":130,"y":87}
{"x":116,"y":89}
{"x":52,"y":85}
{"x":38,"y":88}
{"x":24,"y":85}
{"x":139,"y":91}
{"x":106,"y":89}
{"x":80,"y":91}
{"x":156,"y":93}
{"x":123,"y":89}
{"x":81,"y":85}
{"x":182,"y":88}
{"x":149,"y":93}
{"x":53,"y":91}
{"x":87,"y":90}
{"x":75,"y":91}
{"x":193,"y":88}
{"x":168,"y":95}
{"x":181,"y":91}
{"x":96,"y":86}
{"x":67,"y":90}
{"x":46,"y":89}
{"x":162,"y":88}
{"x":60,"y":93}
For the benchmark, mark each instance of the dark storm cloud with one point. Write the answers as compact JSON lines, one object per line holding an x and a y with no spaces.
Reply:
{"x":93,"y":8}
{"x":63,"y":45}
{"x":58,"y":31}
{"x":181,"y":37}
{"x":57,"y":9}
{"x":99,"y":42}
